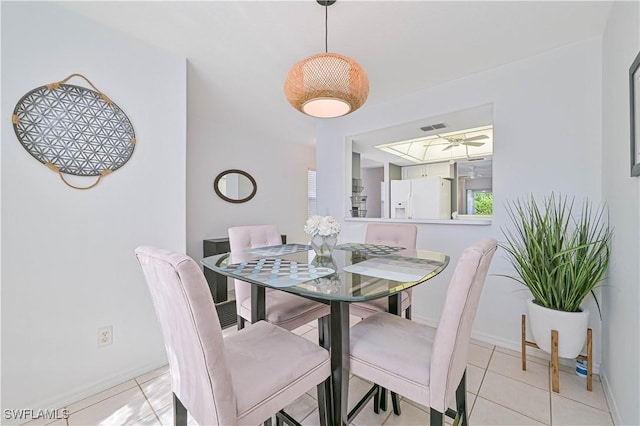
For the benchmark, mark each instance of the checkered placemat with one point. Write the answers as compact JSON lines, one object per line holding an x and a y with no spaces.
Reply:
{"x":278,"y":272}
{"x":369,"y":248}
{"x":280,"y":250}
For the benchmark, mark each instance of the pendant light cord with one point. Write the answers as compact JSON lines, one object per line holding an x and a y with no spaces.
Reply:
{"x":326,"y":30}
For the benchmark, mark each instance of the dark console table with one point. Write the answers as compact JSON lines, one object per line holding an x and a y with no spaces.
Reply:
{"x":218,"y":283}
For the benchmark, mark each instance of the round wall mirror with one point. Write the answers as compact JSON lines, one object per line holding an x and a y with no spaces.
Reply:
{"x":235,"y":186}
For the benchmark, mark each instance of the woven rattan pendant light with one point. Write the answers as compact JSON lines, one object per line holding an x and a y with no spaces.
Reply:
{"x":326,"y":85}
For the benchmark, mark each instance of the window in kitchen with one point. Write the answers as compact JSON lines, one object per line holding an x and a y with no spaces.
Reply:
{"x":479,"y":202}
{"x":435,"y":168}
{"x":475,"y":187}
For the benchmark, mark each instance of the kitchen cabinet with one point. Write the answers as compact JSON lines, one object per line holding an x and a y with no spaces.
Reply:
{"x":443,"y":170}
{"x":413,"y":172}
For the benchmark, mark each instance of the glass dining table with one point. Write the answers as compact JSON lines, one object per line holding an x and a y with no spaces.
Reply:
{"x":354,"y":272}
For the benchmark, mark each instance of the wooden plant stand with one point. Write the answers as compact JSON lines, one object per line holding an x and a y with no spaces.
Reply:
{"x":555,"y":379}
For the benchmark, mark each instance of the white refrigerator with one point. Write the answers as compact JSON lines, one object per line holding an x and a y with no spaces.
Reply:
{"x":424,"y":198}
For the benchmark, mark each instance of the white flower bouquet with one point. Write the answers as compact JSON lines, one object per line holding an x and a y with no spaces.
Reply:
{"x":322,"y":225}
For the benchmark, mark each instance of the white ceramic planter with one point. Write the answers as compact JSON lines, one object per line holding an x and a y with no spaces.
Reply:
{"x":571,"y":326}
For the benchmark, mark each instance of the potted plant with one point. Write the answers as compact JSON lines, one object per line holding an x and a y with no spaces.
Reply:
{"x":560,"y":254}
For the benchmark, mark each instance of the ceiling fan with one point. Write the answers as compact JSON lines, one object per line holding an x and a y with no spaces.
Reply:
{"x":472,"y":174}
{"x":457,"y":141}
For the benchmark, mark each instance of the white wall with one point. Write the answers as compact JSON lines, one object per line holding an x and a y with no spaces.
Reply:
{"x":547,"y":137}
{"x":68,"y":265}
{"x":621,"y":325}
{"x":217,"y":143}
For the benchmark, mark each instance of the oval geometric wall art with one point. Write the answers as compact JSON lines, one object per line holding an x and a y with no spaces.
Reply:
{"x":74,"y":130}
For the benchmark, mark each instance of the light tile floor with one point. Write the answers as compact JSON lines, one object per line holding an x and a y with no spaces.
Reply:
{"x":499,"y":393}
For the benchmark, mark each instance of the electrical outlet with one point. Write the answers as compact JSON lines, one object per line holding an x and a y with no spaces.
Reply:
{"x":105,"y":336}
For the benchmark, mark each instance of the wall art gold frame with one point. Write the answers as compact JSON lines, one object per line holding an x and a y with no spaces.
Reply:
{"x":74,"y":130}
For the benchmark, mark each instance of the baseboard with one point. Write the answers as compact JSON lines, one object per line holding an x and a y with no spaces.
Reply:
{"x":508,"y":344}
{"x":72,"y":396}
{"x":613,"y":408}
{"x":423,"y":320}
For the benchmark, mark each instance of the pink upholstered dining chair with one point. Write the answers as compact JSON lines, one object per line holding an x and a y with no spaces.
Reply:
{"x":431,"y":367}
{"x":281,"y":308}
{"x":215,"y":378}
{"x":387,"y":234}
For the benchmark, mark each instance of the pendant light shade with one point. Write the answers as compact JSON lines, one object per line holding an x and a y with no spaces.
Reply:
{"x":326,"y":85}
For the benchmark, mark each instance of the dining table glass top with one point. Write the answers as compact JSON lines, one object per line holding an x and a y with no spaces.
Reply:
{"x":354,"y":272}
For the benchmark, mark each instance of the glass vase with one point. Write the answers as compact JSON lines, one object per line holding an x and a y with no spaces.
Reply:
{"x":323,"y":245}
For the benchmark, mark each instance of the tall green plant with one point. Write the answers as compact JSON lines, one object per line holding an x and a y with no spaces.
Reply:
{"x":559,"y":255}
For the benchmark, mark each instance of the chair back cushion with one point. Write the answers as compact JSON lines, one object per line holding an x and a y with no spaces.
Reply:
{"x":451,"y":344}
{"x":200,"y":377}
{"x":391,"y":234}
{"x":242,"y":238}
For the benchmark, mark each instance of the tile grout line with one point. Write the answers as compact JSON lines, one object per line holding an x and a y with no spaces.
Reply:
{"x":494,"y":402}
{"x":100,"y":400}
{"x":520,"y":381}
{"x":510,"y":409}
{"x":548,"y":389}
{"x":153,"y":410}
{"x":551,"y":393}
{"x":549,"y":384}
{"x":482,"y":379}
{"x":581,"y":403}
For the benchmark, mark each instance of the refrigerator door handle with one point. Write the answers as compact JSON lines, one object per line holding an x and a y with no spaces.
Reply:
{"x":410,"y":206}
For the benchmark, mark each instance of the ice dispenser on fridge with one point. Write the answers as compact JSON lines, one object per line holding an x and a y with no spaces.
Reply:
{"x":399,"y":210}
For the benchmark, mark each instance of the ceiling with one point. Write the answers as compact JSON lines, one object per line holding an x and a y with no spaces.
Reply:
{"x":242,"y":50}
{"x":445,"y":146}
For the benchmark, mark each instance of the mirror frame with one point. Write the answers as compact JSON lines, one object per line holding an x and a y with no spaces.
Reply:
{"x":231,"y":200}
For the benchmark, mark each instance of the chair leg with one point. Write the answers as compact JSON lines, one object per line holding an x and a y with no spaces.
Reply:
{"x":461,"y":399}
{"x":395,"y":401}
{"x":323,"y":332}
{"x":407,"y":312}
{"x":179,"y":412}
{"x":240,"y":322}
{"x":376,"y":401}
{"x":436,"y":418}
{"x":324,"y":388}
{"x":372,"y":393}
{"x":383,"y":399}
{"x":282,"y":418}
{"x":320,"y":333}
{"x":324,"y":404}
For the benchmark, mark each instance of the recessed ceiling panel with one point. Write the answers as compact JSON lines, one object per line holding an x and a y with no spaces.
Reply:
{"x":469,"y":143}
